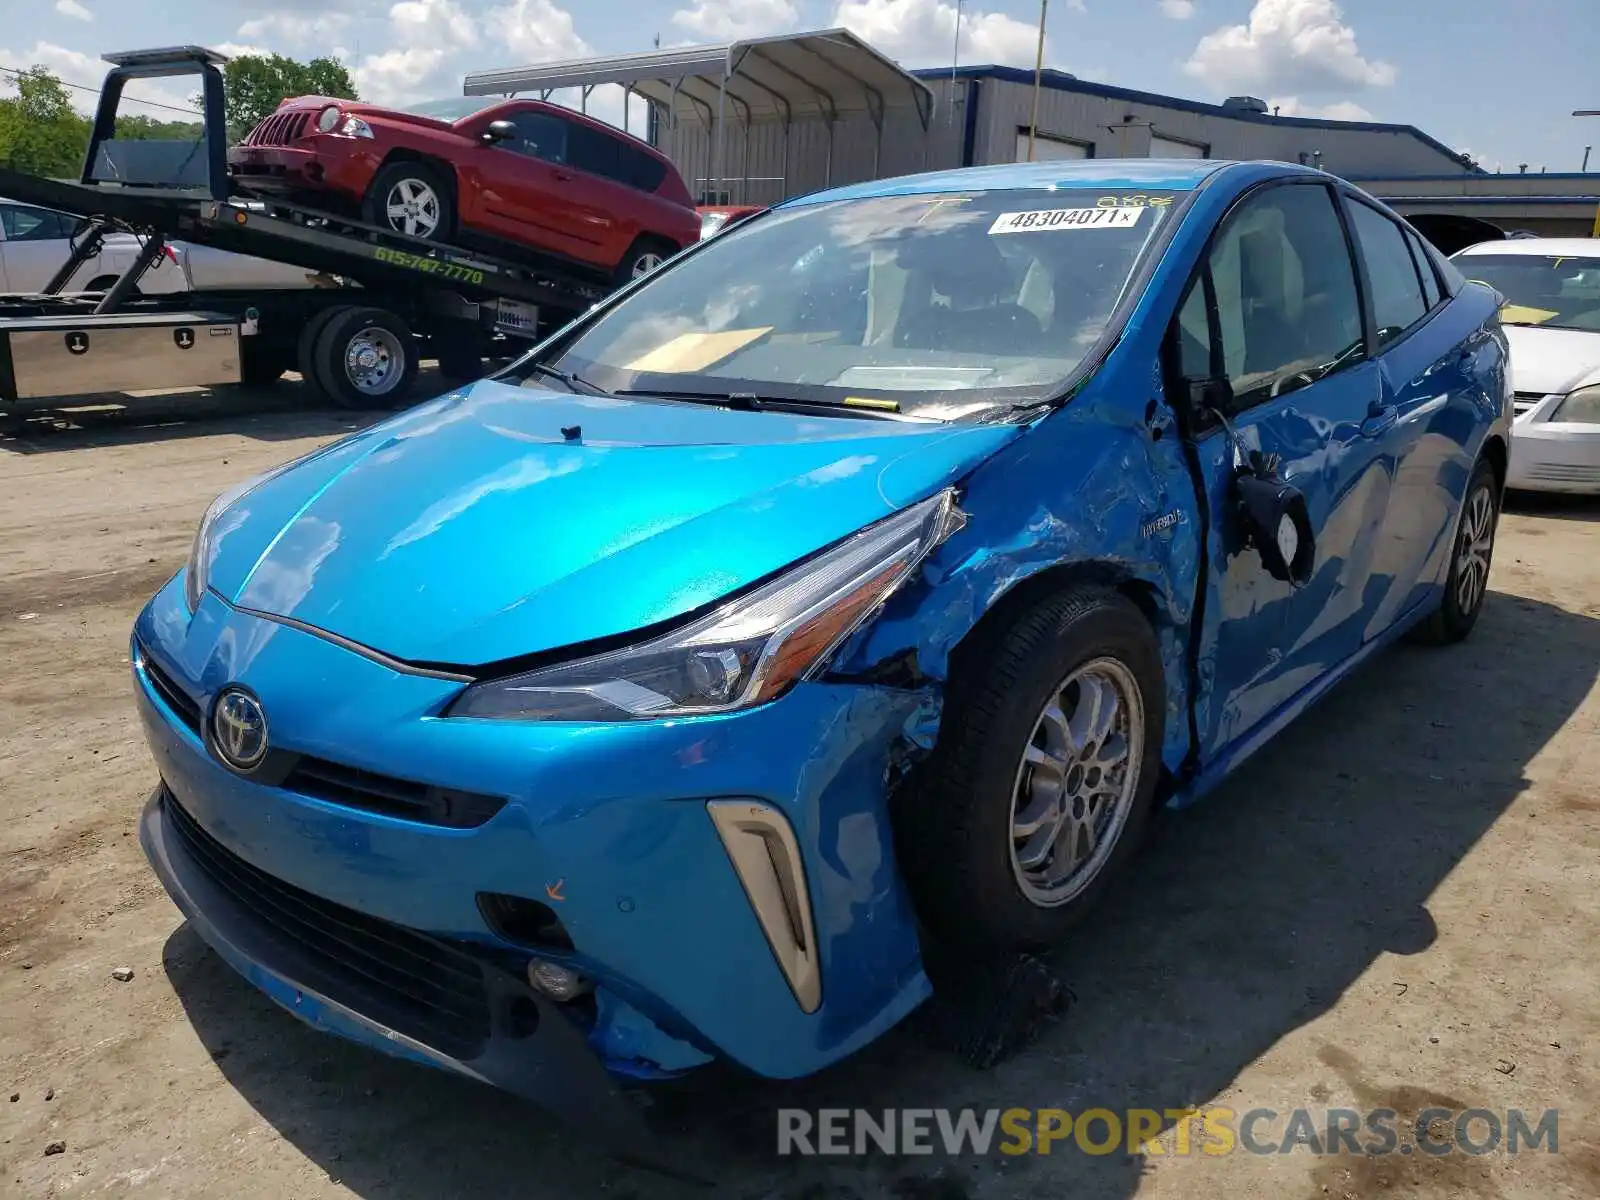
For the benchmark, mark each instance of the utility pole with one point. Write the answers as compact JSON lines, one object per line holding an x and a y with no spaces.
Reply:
{"x":955,"y":58}
{"x":1038,"y":71}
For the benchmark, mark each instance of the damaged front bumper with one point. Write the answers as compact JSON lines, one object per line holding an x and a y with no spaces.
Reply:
{"x":336,"y":970}
{"x":631,"y":833}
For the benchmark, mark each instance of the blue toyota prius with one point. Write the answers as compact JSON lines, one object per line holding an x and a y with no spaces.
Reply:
{"x":854,"y":584}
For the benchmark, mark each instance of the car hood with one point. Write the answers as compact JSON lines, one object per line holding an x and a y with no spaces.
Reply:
{"x":1549,"y":361}
{"x":500,"y":521}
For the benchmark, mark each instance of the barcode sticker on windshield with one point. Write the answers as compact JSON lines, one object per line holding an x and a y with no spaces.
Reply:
{"x":1120,"y":217}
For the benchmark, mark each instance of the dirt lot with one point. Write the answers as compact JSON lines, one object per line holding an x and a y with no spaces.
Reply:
{"x":1394,"y":905}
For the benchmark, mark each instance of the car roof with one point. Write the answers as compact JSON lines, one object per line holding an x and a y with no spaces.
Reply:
{"x":1545,"y":247}
{"x":1158,"y":174}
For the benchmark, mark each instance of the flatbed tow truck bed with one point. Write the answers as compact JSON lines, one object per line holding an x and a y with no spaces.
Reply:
{"x":381,"y":297}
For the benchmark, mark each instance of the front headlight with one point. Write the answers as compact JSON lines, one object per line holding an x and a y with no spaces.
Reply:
{"x":204,"y":547}
{"x":744,"y":653}
{"x":1582,"y":407}
{"x":355,"y":127}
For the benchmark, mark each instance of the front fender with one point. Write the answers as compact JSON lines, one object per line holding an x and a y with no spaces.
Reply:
{"x":1087,"y":493}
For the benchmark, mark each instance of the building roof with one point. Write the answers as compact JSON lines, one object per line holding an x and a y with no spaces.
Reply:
{"x":828,"y":73}
{"x":1062,"y":81}
{"x":1143,"y":174}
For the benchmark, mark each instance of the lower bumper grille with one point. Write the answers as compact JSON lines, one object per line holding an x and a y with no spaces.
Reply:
{"x":419,"y":986}
{"x":1564,"y":473}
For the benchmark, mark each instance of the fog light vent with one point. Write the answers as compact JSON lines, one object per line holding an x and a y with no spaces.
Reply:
{"x":765,"y":856}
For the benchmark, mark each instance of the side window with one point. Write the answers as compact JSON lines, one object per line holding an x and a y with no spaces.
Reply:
{"x":1397,"y":300}
{"x":542,"y":136}
{"x":641,"y":170}
{"x":1288,"y":311}
{"x":30,"y":224}
{"x":595,"y":152}
{"x":1193,"y":333}
{"x":1425,"y":268}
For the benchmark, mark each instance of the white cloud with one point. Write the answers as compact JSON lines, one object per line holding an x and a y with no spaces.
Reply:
{"x":295,"y":29}
{"x":1339,"y":110}
{"x":240,"y":49}
{"x":1178,"y":10}
{"x":922,"y":32}
{"x":536,"y":31}
{"x":71,"y":8}
{"x":84,"y":74}
{"x":1287,"y":46}
{"x":729,"y":20}
{"x":434,"y":24}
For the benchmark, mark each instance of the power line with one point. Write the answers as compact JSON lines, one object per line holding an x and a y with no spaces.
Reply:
{"x":94,"y":91}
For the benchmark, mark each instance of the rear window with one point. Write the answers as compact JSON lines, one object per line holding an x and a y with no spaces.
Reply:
{"x":614,"y":158}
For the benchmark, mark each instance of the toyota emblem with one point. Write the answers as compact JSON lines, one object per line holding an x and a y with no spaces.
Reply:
{"x":239,"y":730}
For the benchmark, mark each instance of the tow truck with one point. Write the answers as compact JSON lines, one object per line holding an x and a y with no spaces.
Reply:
{"x":381,"y":302}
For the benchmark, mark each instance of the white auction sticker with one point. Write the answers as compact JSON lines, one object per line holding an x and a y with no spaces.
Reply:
{"x":1119,"y":217}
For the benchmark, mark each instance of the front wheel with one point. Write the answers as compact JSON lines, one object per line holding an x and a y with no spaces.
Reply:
{"x":412,"y":199}
{"x":1468,"y":582}
{"x":1043,"y":777}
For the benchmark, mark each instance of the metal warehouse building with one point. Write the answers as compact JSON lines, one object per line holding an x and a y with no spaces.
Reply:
{"x":757,"y":121}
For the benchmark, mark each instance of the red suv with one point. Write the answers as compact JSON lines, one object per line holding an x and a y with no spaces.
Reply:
{"x":478,"y":171}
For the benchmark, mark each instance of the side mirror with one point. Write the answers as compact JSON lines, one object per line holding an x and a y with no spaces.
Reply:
{"x":1278,"y":525}
{"x":498,"y":131}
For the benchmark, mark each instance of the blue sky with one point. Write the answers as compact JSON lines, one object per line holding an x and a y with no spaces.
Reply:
{"x":1481,"y":75}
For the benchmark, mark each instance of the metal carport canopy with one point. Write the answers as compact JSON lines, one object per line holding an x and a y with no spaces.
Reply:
{"x":826,"y":75}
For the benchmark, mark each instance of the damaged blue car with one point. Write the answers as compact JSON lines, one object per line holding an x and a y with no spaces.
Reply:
{"x":854,"y":584}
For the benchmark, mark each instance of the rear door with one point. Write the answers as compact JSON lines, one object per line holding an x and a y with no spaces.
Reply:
{"x":606,"y":207}
{"x":1276,"y":311}
{"x":1426,"y":351}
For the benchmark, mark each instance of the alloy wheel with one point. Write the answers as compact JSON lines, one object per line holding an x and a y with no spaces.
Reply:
{"x":1077,"y":781}
{"x":646,"y":263}
{"x":1474,"y":549}
{"x":413,"y":208}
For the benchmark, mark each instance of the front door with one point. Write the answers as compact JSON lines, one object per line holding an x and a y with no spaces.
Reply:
{"x":1275,"y":310}
{"x":527,"y":194}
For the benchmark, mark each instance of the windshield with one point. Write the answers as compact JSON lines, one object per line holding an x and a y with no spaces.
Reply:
{"x":937,"y":306}
{"x":1559,"y":291}
{"x":452,"y":108}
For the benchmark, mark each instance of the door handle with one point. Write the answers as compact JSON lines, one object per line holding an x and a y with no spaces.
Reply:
{"x":562,"y":177}
{"x":1380,"y":419}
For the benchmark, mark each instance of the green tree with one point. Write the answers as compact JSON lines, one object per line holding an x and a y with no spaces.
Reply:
{"x":39,"y":131}
{"x":256,"y":84}
{"x":150,"y":129}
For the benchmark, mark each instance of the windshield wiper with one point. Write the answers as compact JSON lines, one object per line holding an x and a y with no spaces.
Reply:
{"x":743,"y":400}
{"x":753,"y":402}
{"x":572,"y":381}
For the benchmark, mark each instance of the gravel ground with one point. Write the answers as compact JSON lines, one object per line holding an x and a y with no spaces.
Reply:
{"x":1394,"y":905}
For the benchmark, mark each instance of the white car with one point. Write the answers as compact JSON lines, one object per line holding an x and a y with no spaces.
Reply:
{"x":35,"y":242}
{"x":1552,"y":318}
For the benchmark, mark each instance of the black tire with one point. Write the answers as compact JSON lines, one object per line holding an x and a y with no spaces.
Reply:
{"x":375,"y":208}
{"x":305,"y":357}
{"x":639,"y":255}
{"x":1453,"y":620}
{"x":954,"y":825}
{"x":392,"y":343}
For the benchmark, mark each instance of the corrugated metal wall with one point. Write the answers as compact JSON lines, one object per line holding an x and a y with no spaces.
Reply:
{"x":756,"y":169}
